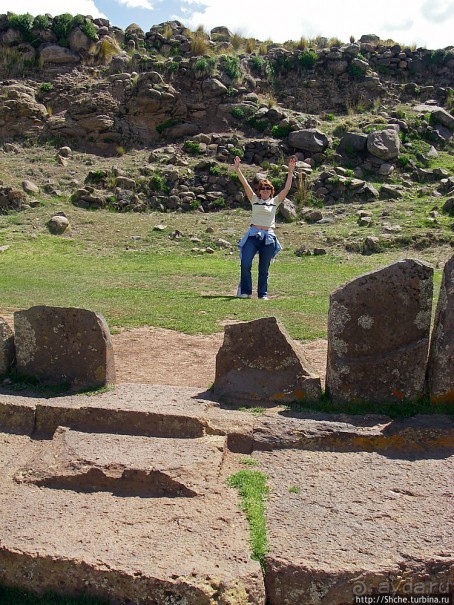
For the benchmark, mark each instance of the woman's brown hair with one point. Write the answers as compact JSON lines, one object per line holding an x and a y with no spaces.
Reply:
{"x":265,"y":182}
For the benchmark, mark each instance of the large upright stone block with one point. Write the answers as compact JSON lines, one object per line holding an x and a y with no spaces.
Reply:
{"x":440,"y":371}
{"x":259,"y":364}
{"x":378,"y":335}
{"x":6,"y":348}
{"x":64,"y":345}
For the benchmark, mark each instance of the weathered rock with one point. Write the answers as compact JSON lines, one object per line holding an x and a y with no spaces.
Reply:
{"x":288,"y":210}
{"x":20,"y":113}
{"x":371,"y":245}
{"x":7,"y":349}
{"x":353,"y":142}
{"x":30,"y":187}
{"x":343,"y":525}
{"x":213,"y":88}
{"x":440,"y":371}
{"x":79,"y":42}
{"x":130,"y":465}
{"x":309,"y":139}
{"x":258,"y":362}
{"x":57,"y":224}
{"x":448,"y":206}
{"x":384,"y":144}
{"x":64,"y":345}
{"x":378,"y":335}
{"x":118,"y":546}
{"x":390,"y":192}
{"x":58,"y":54}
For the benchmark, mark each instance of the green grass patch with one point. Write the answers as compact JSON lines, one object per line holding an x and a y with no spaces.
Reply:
{"x":18,"y":596}
{"x":119,"y":266}
{"x":252,"y":488}
{"x":248,"y":461}
{"x":404,"y":409}
{"x":255,"y":411}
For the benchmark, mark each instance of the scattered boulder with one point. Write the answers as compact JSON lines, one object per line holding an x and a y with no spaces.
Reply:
{"x":30,"y":187}
{"x":65,"y":152}
{"x":59,"y":55}
{"x":440,"y":372}
{"x":384,"y":144}
{"x":58,"y":345}
{"x":7,"y":348}
{"x":353,"y":142}
{"x":57,"y":224}
{"x":258,"y":363}
{"x":11,"y":199}
{"x":448,"y":206}
{"x":378,"y":335}
{"x":309,"y":139}
{"x":288,"y":210}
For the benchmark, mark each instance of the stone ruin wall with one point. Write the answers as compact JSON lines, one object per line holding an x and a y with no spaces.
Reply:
{"x":380,"y":349}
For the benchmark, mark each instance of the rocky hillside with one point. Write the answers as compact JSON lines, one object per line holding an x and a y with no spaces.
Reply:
{"x":366,"y":120}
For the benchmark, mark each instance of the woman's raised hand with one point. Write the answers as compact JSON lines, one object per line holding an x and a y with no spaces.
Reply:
{"x":236,"y":162}
{"x":292,"y":164}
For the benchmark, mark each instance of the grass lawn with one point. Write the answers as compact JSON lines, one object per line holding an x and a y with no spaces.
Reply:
{"x":120,"y":266}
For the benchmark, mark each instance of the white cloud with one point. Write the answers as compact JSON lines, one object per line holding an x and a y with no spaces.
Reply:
{"x":135,"y":4}
{"x":407,"y":21}
{"x":438,"y":10}
{"x":53,"y":7}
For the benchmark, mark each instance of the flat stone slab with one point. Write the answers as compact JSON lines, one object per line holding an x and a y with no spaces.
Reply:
{"x":147,"y":550}
{"x":342,"y":525}
{"x":134,"y":409}
{"x":125,"y":464}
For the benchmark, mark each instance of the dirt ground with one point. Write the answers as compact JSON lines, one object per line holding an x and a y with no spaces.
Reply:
{"x":157,"y":356}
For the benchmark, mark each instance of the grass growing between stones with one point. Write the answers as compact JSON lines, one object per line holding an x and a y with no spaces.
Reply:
{"x":18,"y":596}
{"x":403,"y":409}
{"x":252,"y":488}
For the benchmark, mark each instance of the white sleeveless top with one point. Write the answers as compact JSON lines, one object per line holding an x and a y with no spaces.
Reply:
{"x":264,"y":211}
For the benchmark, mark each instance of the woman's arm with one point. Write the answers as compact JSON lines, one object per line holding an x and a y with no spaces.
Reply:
{"x":288,"y":183}
{"x":247,"y":188}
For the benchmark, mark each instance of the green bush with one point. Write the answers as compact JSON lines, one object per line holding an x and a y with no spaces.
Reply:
{"x":46,"y":87}
{"x":238,"y":113}
{"x":89,"y":30}
{"x":355,"y":71}
{"x":281,"y":64}
{"x":260,"y":125}
{"x":192,"y":147}
{"x":219,"y":202}
{"x":307,"y":59}
{"x":205,"y":65}
{"x":280,"y":132}
{"x":257,"y":63}
{"x":438,"y":57}
{"x":231,"y":66}
{"x":24,"y":23}
{"x":41,"y":22}
{"x":167,"y":124}
{"x":158,"y":183}
{"x":237,"y":151}
{"x":62,"y":26}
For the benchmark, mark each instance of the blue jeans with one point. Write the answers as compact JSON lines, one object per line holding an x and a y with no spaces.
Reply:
{"x":266,"y":252}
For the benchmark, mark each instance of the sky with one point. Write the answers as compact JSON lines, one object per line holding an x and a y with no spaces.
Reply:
{"x":423,"y":23}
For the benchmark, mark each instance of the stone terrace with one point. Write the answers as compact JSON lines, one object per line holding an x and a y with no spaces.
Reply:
{"x":123,"y":495}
